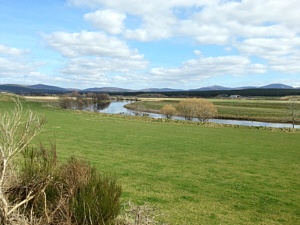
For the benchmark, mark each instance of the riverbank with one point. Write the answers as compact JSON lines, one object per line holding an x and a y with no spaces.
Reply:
{"x":271,"y":111}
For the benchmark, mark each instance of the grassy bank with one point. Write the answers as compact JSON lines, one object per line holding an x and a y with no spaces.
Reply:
{"x":195,"y":174}
{"x":242,"y":109}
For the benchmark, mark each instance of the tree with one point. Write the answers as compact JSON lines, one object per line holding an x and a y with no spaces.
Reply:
{"x":75,"y":94}
{"x":205,"y":110}
{"x":186,"y":108}
{"x":103,"y":97}
{"x":196,"y":108}
{"x":65,"y":102}
{"x":294,"y":111}
{"x":168,"y":111}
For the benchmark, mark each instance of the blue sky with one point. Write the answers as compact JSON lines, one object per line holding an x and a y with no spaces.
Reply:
{"x":140,"y":44}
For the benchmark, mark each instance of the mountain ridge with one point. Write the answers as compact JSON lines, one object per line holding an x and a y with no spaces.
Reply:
{"x":49,"y":88}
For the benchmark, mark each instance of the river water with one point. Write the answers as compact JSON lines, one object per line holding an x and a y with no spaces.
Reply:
{"x":118,"y":108}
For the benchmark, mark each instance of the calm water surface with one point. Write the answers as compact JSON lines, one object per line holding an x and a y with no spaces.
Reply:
{"x":118,"y":108}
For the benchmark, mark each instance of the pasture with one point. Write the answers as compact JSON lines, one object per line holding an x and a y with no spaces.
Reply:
{"x":193,"y":174}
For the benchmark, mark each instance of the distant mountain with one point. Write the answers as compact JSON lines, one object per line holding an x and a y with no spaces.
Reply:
{"x":220,"y":88}
{"x":21,"y":89}
{"x":15,"y":88}
{"x":160,"y":90}
{"x":276,"y":86}
{"x":107,"y":89}
{"x":213,"y":88}
{"x":47,"y":87}
{"x":246,"y":87}
{"x":42,"y":88}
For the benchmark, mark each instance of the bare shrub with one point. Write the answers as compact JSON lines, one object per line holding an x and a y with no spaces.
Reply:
{"x":17,"y":129}
{"x":196,"y":108}
{"x":65,"y":102}
{"x":38,"y":168}
{"x":294,"y":111}
{"x":103,"y":97}
{"x":169,"y":111}
{"x":139,"y":215}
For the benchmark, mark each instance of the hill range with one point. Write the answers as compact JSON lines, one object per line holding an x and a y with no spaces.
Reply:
{"x":268,"y":90}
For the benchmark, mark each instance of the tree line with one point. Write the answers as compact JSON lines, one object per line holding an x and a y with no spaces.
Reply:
{"x":66,"y":101}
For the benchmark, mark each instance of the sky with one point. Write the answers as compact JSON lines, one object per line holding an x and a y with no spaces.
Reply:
{"x":137,"y":44}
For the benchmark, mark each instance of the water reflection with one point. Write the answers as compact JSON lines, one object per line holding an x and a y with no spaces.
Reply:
{"x":118,"y":108}
{"x":109,"y":107}
{"x":234,"y":122}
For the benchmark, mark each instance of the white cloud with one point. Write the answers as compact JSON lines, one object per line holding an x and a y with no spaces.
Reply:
{"x":89,"y":44}
{"x":282,"y":54}
{"x":13,"y":68}
{"x":19,"y":71}
{"x":12,"y":51}
{"x":14,"y":63}
{"x":108,"y":20}
{"x":269,"y":47}
{"x":155,"y":27}
{"x":286,"y":64}
{"x":95,"y":57}
{"x":197,"y":52}
{"x":142,"y":7}
{"x":216,"y":22}
{"x":204,"y":33}
{"x":87,"y":67}
{"x":17,"y":67}
{"x":205,"y":68}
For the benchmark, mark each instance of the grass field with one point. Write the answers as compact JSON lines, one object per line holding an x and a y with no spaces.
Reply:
{"x":194,"y":174}
{"x":244,"y":109}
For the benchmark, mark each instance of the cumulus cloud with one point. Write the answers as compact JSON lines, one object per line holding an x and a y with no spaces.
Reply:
{"x":282,"y":54}
{"x":286,"y":64}
{"x":20,"y":71}
{"x":17,"y":67}
{"x":197,"y":52}
{"x":86,"y":67}
{"x":89,"y":44}
{"x":214,"y":22}
{"x":205,"y":68}
{"x":13,"y":62}
{"x":95,"y":56}
{"x":142,"y":7}
{"x":13,"y":68}
{"x":267,"y":29}
{"x":269,"y":47}
{"x":12,"y":51}
{"x":155,"y":27}
{"x":108,"y":20}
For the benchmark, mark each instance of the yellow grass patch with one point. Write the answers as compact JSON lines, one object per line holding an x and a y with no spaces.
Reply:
{"x":42,"y":98}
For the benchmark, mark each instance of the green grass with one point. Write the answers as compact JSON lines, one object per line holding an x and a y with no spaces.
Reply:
{"x":195,"y":174}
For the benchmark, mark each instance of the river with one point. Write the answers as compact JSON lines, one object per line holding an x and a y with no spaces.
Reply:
{"x":118,"y":108}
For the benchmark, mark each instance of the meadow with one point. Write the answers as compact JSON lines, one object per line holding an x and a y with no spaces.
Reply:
{"x":194,"y":174}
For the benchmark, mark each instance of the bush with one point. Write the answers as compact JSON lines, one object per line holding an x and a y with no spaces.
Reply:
{"x":65,"y":102}
{"x":73,"y":193}
{"x":97,"y":202}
